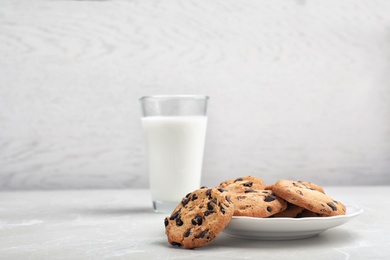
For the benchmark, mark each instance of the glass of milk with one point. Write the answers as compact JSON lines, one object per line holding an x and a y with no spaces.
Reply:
{"x":175,"y":130}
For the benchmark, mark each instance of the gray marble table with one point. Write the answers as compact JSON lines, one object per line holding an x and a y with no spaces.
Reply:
{"x":120,"y":224}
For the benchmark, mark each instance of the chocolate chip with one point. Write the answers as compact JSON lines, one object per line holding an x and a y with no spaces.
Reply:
{"x":187,"y":233}
{"x":250,"y":190}
{"x":203,"y":187}
{"x":194,"y":197}
{"x":175,"y":243}
{"x":238,"y":179}
{"x":185,"y":201}
{"x":248,"y":184}
{"x":300,"y":192}
{"x":330,"y":204}
{"x":209,"y":206}
{"x":202,"y":234}
{"x":188,"y":195}
{"x":222,"y":209}
{"x":208,"y":212}
{"x":270,"y":198}
{"x":175,"y":215}
{"x":166,"y":222}
{"x":269,"y":209}
{"x":179,"y":222}
{"x":208,"y":192}
{"x":228,"y":199}
{"x":197,"y":220}
{"x":221,"y":190}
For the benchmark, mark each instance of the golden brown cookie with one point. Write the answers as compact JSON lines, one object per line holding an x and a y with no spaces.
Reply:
{"x":309,"y":214}
{"x":308,"y":184}
{"x":242,"y":184}
{"x":257,"y":203}
{"x":199,"y":218}
{"x":306,"y":197}
{"x":312,"y":185}
{"x":290,"y":212}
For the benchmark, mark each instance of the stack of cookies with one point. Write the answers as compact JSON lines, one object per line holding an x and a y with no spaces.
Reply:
{"x":204,"y":213}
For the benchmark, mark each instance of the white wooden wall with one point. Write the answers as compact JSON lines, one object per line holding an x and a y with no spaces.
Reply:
{"x":299,"y":89}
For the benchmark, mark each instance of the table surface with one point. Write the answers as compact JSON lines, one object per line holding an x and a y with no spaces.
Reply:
{"x":105,"y":224}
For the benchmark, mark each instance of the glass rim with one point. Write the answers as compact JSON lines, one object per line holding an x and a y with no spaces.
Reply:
{"x":166,"y":97}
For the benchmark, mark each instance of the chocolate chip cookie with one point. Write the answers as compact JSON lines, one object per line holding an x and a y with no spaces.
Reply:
{"x":312,"y":185}
{"x":309,"y":198}
{"x":243,"y":184}
{"x":308,"y":184}
{"x":199,"y":218}
{"x":309,"y":214}
{"x":257,"y":203}
{"x":291,"y":211}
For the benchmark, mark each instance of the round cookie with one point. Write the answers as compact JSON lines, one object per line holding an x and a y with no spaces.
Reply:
{"x":308,"y":198}
{"x":257,"y":203}
{"x":199,"y":218}
{"x":309,"y":214}
{"x":308,"y":184}
{"x":242,"y":184}
{"x":290,"y":212}
{"x":312,"y":185}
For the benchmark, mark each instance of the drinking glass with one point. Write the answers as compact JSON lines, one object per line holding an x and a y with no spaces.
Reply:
{"x":175,"y":130}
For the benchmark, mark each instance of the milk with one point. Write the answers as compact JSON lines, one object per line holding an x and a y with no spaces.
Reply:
{"x":175,"y":147}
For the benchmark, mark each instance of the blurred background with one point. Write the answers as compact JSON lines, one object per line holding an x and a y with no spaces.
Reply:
{"x":299,"y":89}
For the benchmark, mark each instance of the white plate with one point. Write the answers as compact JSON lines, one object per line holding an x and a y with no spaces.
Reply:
{"x":286,"y":228}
